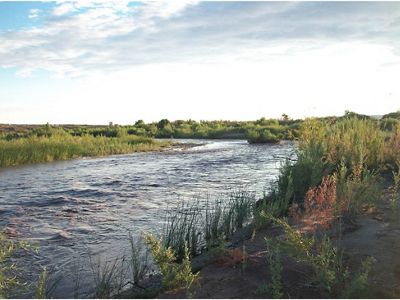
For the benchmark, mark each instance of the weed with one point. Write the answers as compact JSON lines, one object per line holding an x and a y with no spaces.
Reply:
{"x":108,"y":277}
{"x":41,"y":285}
{"x":174,"y":275}
{"x":181,"y":227}
{"x":330,"y":274}
{"x":139,"y":260}
{"x":275,"y":288}
{"x":8,"y":280}
{"x":212,"y":223}
{"x":358,"y":286}
{"x":395,"y":188}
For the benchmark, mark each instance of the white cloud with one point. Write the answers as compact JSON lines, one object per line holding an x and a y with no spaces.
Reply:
{"x":64,"y":8}
{"x":24,"y":73}
{"x":324,"y":81}
{"x":86,"y":36}
{"x":34,"y":13}
{"x":208,"y":60}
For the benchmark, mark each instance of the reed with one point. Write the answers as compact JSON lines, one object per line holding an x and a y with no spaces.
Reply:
{"x":182,"y":227}
{"x":201,"y":224}
{"x":63,"y":146}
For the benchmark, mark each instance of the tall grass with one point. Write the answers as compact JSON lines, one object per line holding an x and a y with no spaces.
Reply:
{"x":61,"y":146}
{"x":174,"y":275}
{"x":109,"y":276}
{"x":8,"y":280}
{"x":138,"y":260}
{"x":182,"y":228}
{"x":330,"y":274}
{"x":352,"y":140}
{"x":352,"y":149}
{"x":202,"y":225}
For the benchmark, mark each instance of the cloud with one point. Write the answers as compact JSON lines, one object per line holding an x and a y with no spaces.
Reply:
{"x":64,"y":8}
{"x":24,"y":73}
{"x":84,"y":37}
{"x":34,"y":13}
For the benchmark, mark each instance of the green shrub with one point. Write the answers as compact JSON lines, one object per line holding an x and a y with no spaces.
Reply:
{"x":330,"y":274}
{"x":275,"y":266}
{"x":174,"y":275}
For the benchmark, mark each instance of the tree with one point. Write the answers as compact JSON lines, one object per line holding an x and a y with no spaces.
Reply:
{"x":139,"y":123}
{"x":163,"y":123}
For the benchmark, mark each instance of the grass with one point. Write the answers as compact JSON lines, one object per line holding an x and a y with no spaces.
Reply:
{"x":8,"y":279}
{"x":174,"y":275}
{"x":201,"y":225}
{"x":59,"y":145}
{"x":275,"y":288}
{"x":330,"y":275}
{"x":182,"y":229}
{"x":109,"y":277}
{"x":337,"y":173}
{"x":45,"y":285}
{"x":138,"y":260}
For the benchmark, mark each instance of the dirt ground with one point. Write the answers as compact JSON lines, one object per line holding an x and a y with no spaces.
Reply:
{"x":374,"y":234}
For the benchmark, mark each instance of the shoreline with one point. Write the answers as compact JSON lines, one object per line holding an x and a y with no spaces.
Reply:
{"x":160,"y":147}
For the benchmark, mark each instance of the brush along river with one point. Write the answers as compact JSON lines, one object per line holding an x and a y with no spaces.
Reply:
{"x":89,"y":205}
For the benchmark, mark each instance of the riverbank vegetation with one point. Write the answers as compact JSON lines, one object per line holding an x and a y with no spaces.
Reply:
{"x":51,"y":144}
{"x":283,"y":128}
{"x":21,"y":144}
{"x":338,"y":174}
{"x":343,"y":170}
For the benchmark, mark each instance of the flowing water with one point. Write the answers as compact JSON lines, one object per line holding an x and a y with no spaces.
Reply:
{"x":87,"y":205}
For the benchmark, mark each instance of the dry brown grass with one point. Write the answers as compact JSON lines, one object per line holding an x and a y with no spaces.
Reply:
{"x":232,"y":257}
{"x":319,"y":206}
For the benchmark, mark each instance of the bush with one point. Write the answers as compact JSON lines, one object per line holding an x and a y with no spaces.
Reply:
{"x":174,"y":275}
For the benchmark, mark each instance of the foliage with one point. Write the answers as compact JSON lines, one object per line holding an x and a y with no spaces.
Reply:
{"x":182,"y":229}
{"x":109,"y":276}
{"x":330,"y":274}
{"x":395,"y":188}
{"x":174,"y":275}
{"x":8,"y":279}
{"x":358,"y":285}
{"x":201,"y":225}
{"x":139,"y":260}
{"x":45,"y":286}
{"x":356,"y":190}
{"x":261,"y":136}
{"x":275,"y":266}
{"x":59,"y":145}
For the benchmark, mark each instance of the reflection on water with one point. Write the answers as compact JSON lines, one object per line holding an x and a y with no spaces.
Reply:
{"x":72,"y":207}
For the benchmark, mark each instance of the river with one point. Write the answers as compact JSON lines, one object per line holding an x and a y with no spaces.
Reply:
{"x":86,"y":205}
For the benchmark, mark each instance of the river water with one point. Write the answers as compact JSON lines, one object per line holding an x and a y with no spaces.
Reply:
{"x":87,"y":205}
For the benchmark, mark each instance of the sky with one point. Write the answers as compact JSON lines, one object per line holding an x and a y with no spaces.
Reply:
{"x":92,"y":62}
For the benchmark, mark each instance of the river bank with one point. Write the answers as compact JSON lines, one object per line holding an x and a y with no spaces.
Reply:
{"x":242,"y":270}
{"x":328,"y":228}
{"x":299,"y":226}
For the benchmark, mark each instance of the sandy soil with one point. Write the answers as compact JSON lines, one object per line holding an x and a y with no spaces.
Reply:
{"x":375,"y":233}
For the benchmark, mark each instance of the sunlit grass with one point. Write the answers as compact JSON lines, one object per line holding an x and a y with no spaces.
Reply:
{"x":61,"y":146}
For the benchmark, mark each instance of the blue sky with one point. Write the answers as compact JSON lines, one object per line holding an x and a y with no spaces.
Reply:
{"x":99,"y":61}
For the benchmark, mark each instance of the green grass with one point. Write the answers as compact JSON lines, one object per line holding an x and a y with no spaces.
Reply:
{"x":62,"y":146}
{"x":355,"y":150}
{"x":202,"y":225}
{"x":8,"y":280}
{"x":330,"y":275}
